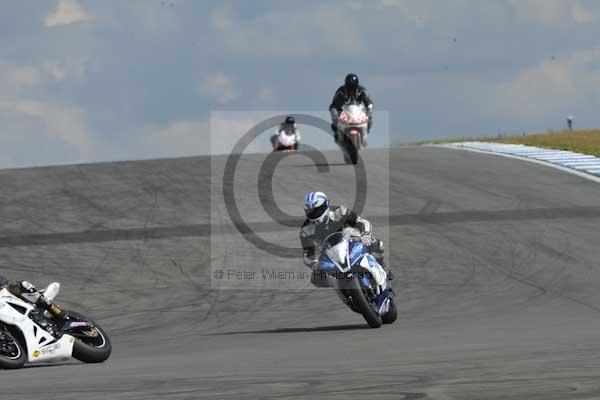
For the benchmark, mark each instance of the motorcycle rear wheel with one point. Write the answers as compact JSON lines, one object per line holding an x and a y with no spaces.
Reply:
{"x":94,"y":347}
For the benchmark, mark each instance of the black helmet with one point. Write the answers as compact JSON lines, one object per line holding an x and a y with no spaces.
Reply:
{"x":290,"y":120}
{"x":351,"y":81}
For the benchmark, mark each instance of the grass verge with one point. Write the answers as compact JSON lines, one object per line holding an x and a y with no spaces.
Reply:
{"x":586,"y":142}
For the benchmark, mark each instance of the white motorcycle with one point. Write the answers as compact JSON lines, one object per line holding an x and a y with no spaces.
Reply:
{"x":284,"y":141}
{"x":352,"y":126}
{"x":31,"y":334}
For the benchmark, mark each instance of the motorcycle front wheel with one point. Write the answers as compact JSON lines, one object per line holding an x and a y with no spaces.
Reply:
{"x":392,"y":314}
{"x":12,"y":353}
{"x":352,"y":146}
{"x":361,"y":305}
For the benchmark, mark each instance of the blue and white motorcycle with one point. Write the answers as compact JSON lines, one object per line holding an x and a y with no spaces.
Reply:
{"x":360,"y":281}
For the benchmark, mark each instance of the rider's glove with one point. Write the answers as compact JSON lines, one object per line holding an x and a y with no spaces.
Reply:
{"x":309,"y":259}
{"x":314,"y":265}
{"x":367,"y":239}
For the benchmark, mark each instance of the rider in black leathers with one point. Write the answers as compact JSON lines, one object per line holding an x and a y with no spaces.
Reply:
{"x":350,"y":91}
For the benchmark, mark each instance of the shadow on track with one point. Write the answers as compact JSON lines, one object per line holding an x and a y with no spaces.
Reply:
{"x":50,"y":365}
{"x":299,"y":330}
{"x":321,"y":165}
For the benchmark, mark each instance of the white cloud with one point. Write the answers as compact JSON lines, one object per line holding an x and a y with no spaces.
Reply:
{"x":550,"y":87}
{"x":216,"y":136}
{"x":550,"y":12}
{"x":45,"y":132}
{"x":60,"y":121}
{"x":179,"y":138}
{"x":67,"y":12}
{"x":15,"y":77}
{"x":266,"y":94}
{"x":154,"y":16}
{"x":26,"y":75}
{"x":63,"y":122}
{"x":55,"y":70}
{"x":228,"y":127}
{"x":425,"y":12}
{"x":582,"y":15}
{"x":220,"y":87}
{"x":72,"y":67}
{"x":324,"y":29}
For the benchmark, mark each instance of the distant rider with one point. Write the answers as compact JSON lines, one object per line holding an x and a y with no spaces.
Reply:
{"x":350,"y":91}
{"x":26,"y":291}
{"x":288,"y":127}
{"x":323,"y":220}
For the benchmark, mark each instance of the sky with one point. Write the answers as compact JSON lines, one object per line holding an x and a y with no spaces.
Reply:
{"x":85,"y":81}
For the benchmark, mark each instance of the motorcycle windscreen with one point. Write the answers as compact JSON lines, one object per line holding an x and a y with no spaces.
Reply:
{"x":337,"y":249}
{"x":354,"y":114}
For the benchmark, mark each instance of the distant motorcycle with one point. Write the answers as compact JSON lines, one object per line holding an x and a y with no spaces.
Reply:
{"x":353,"y":123}
{"x":28,"y":333}
{"x":360,"y":281}
{"x":284,"y":141}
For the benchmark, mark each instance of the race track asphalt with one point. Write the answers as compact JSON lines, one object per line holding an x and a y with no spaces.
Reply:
{"x":497,"y":265}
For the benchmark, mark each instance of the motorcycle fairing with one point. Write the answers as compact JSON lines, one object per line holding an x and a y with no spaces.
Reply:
{"x":357,"y":250}
{"x":41,"y":345}
{"x":369,"y":263}
{"x":326,"y":263}
{"x":339,"y":254}
{"x":383,"y":302}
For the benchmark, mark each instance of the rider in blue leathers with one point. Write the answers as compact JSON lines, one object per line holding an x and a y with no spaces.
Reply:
{"x":349,"y":91}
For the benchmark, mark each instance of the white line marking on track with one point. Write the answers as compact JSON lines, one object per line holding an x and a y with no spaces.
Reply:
{"x":592,"y":174}
{"x":586,"y":167}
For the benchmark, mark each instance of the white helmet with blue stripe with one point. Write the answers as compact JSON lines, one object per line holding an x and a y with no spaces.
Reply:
{"x":316,"y":205}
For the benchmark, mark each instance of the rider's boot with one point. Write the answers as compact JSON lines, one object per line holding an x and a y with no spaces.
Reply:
{"x":388,"y":271}
{"x":319,"y":279}
{"x":57,"y":312}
